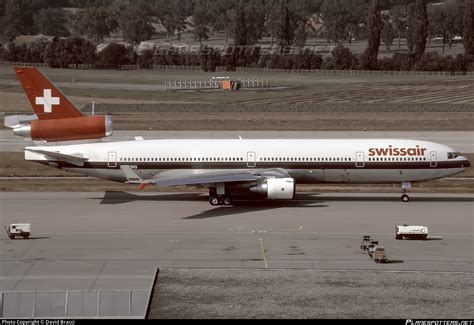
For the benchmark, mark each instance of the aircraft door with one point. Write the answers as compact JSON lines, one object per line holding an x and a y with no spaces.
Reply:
{"x":434,"y":159}
{"x":251,"y":160}
{"x":360,"y":160}
{"x":112,"y":160}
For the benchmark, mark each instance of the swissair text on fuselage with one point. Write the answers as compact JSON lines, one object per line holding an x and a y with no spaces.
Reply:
{"x":390,"y":151}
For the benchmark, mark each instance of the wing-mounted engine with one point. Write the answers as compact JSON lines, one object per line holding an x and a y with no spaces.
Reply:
{"x":66,"y":129}
{"x":276,"y":188}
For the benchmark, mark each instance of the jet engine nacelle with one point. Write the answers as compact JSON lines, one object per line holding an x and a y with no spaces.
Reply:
{"x":67,"y":129}
{"x":276,"y":188}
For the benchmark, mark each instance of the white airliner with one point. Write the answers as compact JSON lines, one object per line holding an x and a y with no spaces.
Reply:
{"x":268,"y":168}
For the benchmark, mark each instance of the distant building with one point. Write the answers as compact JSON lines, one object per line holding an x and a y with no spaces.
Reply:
{"x":30,"y":39}
{"x":144,"y":46}
{"x":103,"y":46}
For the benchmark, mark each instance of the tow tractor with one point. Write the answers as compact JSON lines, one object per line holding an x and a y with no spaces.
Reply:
{"x":365,"y":243}
{"x":379,"y":255}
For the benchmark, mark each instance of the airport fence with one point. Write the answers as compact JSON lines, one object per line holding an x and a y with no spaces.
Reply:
{"x":192,"y":84}
{"x":177,"y":67}
{"x":97,"y":304}
{"x":214,"y":84}
{"x":23,"y":64}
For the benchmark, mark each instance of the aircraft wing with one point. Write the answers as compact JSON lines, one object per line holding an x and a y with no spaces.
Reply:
{"x":74,"y":159}
{"x":204,"y":178}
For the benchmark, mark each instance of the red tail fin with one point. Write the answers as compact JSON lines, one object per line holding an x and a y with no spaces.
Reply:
{"x":47,"y":101}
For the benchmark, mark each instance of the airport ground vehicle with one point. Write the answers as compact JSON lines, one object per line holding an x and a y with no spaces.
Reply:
{"x":19,"y":230}
{"x":379,"y":255}
{"x":411,"y":232}
{"x":372,"y":246}
{"x":365,"y":243}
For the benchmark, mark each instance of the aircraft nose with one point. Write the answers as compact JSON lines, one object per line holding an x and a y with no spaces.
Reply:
{"x":468,"y":164}
{"x":465,"y":163}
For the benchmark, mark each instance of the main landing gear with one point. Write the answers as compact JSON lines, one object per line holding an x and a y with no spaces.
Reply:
{"x":219,"y":200}
{"x":405,"y":188}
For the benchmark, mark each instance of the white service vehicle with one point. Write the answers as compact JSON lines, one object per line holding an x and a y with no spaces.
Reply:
{"x":411,"y":232}
{"x":19,"y":229}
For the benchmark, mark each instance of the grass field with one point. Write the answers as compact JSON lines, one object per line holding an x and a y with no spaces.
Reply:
{"x":302,"y":102}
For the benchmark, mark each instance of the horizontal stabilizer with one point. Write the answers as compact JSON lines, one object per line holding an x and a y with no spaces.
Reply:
{"x":74,"y":159}
{"x":15,"y":121}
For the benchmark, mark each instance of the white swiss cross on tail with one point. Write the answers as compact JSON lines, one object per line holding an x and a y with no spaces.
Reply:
{"x":47,"y":101}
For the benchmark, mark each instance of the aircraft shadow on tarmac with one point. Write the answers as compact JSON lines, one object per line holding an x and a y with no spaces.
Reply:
{"x":301,"y":199}
{"x":242,"y":204}
{"x":246,"y":204}
{"x":124,"y":197}
{"x":241,"y":207}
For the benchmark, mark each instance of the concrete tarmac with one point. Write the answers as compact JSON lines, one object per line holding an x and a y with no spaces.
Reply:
{"x":462,"y":141}
{"x":103,"y":240}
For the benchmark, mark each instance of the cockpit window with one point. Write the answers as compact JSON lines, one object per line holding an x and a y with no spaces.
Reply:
{"x":453,"y":155}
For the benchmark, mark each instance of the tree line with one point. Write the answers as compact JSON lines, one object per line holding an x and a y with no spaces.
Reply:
{"x":287,"y":23}
{"x":73,"y":52}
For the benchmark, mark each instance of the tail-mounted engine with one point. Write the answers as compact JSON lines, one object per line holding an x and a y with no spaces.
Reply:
{"x":66,"y":129}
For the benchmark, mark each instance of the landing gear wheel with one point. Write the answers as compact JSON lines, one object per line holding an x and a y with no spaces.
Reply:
{"x":214,"y":200}
{"x":227,"y":201}
{"x":405,"y":198}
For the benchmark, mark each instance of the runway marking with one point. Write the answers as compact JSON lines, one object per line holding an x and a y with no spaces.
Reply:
{"x":263,"y":253}
{"x":24,"y":275}
{"x":98,"y":275}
